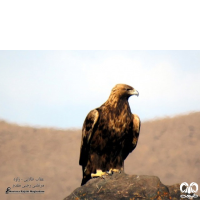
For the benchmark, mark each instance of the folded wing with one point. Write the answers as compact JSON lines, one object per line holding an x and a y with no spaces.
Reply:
{"x":87,"y":132}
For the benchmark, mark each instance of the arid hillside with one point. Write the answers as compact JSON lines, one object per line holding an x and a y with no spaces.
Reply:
{"x":168,"y":148}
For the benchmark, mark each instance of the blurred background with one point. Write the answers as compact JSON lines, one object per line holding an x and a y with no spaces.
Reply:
{"x":46,"y":95}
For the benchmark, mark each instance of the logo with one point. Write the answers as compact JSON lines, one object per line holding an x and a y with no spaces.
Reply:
{"x":190,"y":190}
{"x":8,"y":190}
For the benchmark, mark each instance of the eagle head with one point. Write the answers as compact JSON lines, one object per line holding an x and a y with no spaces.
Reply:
{"x":124,"y":91}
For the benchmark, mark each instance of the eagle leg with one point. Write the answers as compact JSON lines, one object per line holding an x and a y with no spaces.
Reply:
{"x":98,"y":173}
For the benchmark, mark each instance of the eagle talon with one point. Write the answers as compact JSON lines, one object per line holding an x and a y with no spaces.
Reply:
{"x":109,"y":172}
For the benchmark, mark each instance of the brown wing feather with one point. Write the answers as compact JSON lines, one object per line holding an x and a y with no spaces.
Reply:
{"x":133,"y":136}
{"x":136,"y":129}
{"x":87,"y":131}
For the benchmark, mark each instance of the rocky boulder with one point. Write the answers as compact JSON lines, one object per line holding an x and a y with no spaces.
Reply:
{"x":125,"y":187}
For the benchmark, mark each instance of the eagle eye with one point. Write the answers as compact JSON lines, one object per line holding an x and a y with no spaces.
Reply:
{"x":128,"y":89}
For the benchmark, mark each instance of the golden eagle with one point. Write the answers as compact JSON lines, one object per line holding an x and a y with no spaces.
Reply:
{"x":110,"y":132}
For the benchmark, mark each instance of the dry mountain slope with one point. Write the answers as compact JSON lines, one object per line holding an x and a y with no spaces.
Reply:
{"x":167,"y":148}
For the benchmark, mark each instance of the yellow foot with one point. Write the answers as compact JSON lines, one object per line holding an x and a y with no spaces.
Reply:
{"x":99,"y":173}
{"x":111,"y":171}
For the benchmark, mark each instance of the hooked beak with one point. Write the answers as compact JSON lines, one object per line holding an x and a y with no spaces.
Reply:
{"x":134,"y":92}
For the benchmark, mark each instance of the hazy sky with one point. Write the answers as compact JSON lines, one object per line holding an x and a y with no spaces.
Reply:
{"x":59,"y":88}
